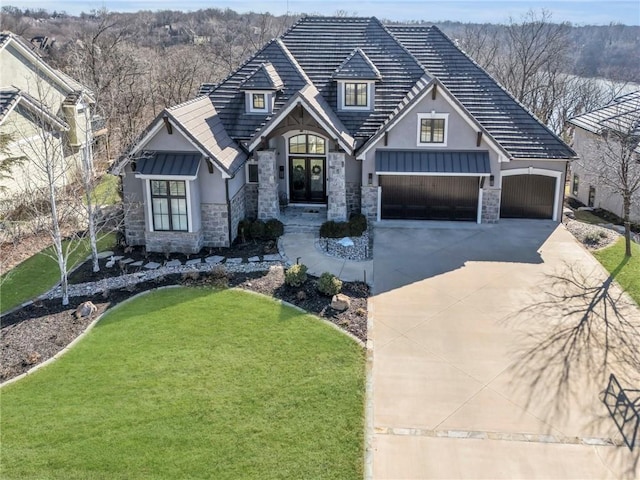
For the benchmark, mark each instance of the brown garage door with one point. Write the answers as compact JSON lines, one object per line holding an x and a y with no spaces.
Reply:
{"x":527,"y":196}
{"x":429,"y":197}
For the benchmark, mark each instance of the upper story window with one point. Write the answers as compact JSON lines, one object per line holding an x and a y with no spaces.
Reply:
{"x":432,"y":129}
{"x":258,"y":102}
{"x":307,"y":144}
{"x":356,"y":95}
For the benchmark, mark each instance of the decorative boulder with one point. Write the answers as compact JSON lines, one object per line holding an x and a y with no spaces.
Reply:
{"x":85,"y":309}
{"x":340,"y":302}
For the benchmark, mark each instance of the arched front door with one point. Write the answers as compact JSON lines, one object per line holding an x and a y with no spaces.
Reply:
{"x":307,"y":169}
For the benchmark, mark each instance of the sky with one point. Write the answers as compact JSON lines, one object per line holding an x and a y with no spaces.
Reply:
{"x":578,"y":12}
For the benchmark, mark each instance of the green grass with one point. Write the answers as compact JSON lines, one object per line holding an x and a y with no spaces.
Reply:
{"x":192,"y":383}
{"x":106,"y":191}
{"x":625,"y":271}
{"x":39,"y":273}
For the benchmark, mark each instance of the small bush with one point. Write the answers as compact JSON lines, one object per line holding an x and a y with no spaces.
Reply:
{"x":244,"y":230}
{"x":257,"y":230}
{"x":328,"y":284}
{"x":333,"y":229}
{"x":295,"y":275}
{"x":273,"y":229}
{"x":592,"y":238}
{"x":357,"y":224}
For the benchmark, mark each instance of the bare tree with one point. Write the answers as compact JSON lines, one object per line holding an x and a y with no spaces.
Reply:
{"x":614,"y":163}
{"x":482,"y":43}
{"x":43,"y":146}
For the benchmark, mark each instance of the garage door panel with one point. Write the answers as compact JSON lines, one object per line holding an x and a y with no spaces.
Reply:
{"x":527,"y":196}
{"x":429,"y":197}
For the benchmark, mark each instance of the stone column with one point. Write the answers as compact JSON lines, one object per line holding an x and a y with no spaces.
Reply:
{"x":490,"y":205}
{"x":337,"y":207}
{"x":268,"y":203}
{"x":369,"y":202}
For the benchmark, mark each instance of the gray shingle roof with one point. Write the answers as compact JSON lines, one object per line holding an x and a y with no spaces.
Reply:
{"x":357,"y":66}
{"x":508,"y":122}
{"x":169,"y":164}
{"x":621,"y":115}
{"x":433,"y":161}
{"x":264,"y":78}
{"x":199,"y":120}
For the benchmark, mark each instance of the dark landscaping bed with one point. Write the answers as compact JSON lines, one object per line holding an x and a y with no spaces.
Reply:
{"x":37,"y":332}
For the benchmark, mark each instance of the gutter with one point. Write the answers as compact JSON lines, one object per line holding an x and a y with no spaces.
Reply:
{"x":226,"y":187}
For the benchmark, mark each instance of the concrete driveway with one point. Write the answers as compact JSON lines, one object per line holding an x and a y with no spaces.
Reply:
{"x":488,"y":357}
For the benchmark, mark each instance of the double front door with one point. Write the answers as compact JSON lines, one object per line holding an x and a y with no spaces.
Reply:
{"x":307,"y":180}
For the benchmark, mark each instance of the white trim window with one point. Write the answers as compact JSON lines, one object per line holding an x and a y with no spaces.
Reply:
{"x":258,"y":102}
{"x":432,"y":129}
{"x":252,"y":171}
{"x":356,"y":94}
{"x":169,"y":205}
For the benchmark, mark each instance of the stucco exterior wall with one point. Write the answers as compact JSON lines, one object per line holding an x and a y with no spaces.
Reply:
{"x":404,"y":136}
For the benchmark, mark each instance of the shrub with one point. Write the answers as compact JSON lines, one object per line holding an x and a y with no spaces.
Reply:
{"x":333,"y":229}
{"x":295,"y":275}
{"x":357,"y":224}
{"x":328,"y":284}
{"x":273,"y":229}
{"x":257,"y":230}
{"x":244,"y":230}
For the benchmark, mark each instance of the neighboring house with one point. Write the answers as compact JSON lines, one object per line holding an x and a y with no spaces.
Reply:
{"x":43,"y":111}
{"x":596,"y":145}
{"x":391,"y":121}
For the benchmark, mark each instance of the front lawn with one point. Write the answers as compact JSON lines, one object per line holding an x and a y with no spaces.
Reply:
{"x":625,"y":271}
{"x":39,"y":273}
{"x":192,"y":383}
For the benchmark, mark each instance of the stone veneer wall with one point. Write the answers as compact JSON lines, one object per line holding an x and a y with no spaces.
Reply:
{"x":490,"y":205}
{"x":134,"y":225}
{"x":215,"y":224}
{"x":238,"y":212}
{"x":369,"y":198}
{"x":353,"y":198}
{"x":268,"y":202}
{"x":181,"y":242}
{"x":337,"y":201}
{"x":251,"y":200}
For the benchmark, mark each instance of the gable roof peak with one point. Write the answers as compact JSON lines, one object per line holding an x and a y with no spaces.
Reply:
{"x":265,"y":77}
{"x":357,"y":65}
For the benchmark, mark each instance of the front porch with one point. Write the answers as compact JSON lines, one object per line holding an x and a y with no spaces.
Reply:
{"x":303,"y":218}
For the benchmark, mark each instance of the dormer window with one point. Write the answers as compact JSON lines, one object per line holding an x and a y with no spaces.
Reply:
{"x":356,"y":94}
{"x":260,"y":88}
{"x":356,"y":78}
{"x":258,"y":102}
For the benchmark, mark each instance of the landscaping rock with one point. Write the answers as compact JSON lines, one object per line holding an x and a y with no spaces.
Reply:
{"x":126,"y":261}
{"x":152,"y":265}
{"x":340,"y":302}
{"x":272,"y":258}
{"x":173,"y":263}
{"x":110,"y":264}
{"x":105,"y":254}
{"x":85,"y":309}
{"x":195,"y":261}
{"x":214,"y":259}
{"x":254,"y":259}
{"x":137,"y":264}
{"x":234,"y":261}
{"x":346,"y":242}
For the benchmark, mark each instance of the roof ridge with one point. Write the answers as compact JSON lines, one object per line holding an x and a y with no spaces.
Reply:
{"x":403,"y":46}
{"x":195,"y":99}
{"x":531,"y":114}
{"x":364,"y":56}
{"x":241,"y":66}
{"x":293,"y":61}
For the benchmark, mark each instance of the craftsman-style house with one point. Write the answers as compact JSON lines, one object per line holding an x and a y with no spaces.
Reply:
{"x":392,"y":121}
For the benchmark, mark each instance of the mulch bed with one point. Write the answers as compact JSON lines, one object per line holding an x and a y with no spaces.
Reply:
{"x":37,"y":332}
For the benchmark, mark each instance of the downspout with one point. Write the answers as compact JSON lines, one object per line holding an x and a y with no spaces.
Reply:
{"x":226,"y":187}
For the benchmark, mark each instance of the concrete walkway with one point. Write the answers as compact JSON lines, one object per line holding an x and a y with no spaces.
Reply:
{"x":462,"y":383}
{"x":302,"y":247}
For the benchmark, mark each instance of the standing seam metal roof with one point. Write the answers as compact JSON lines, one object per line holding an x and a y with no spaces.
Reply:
{"x":433,"y":161}
{"x":621,"y":115}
